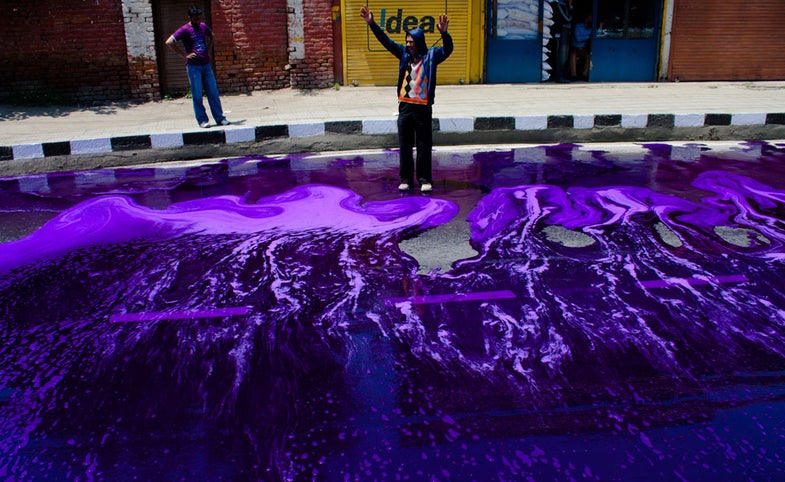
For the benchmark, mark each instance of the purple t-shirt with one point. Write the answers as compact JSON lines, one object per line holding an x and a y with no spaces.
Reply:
{"x":194,"y":40}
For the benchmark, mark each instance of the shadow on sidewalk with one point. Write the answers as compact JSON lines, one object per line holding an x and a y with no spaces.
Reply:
{"x":11,"y":112}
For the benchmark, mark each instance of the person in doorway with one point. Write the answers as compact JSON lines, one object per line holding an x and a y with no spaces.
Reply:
{"x":579,"y":49}
{"x":416,"y":88}
{"x":197,"y":38}
{"x":560,"y":46}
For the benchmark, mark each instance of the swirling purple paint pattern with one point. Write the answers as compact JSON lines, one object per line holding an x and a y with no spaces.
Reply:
{"x":292,"y":338}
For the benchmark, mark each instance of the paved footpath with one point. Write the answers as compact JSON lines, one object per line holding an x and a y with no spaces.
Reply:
{"x":44,"y":139}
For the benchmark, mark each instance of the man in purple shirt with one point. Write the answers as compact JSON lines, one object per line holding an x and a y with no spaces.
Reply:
{"x":197,"y":38}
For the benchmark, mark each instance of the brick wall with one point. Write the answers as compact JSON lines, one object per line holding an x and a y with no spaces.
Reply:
{"x":71,"y":50}
{"x":315,"y":70}
{"x":94,"y":51}
{"x":143,"y":77}
{"x":250,"y":44}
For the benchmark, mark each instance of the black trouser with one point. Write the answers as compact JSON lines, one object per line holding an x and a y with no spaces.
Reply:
{"x":415,"y":125}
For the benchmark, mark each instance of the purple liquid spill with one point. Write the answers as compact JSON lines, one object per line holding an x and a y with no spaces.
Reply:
{"x":287,"y":336}
{"x":180,"y":315}
{"x":116,"y":219}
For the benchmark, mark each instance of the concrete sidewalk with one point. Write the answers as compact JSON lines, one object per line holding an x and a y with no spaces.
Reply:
{"x":46,"y":139}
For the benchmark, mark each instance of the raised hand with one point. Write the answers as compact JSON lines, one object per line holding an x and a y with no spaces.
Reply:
{"x":366,"y":14}
{"x":443,"y":23}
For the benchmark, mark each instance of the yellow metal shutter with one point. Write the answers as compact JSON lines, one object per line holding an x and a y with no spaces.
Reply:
{"x":366,"y":62}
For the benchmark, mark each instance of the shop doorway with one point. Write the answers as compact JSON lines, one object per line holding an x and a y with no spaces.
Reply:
{"x":530,"y":40}
{"x":513,"y":45}
{"x":169,"y":15}
{"x":625,"y":45}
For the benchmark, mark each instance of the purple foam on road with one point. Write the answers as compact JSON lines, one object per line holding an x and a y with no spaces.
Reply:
{"x":116,"y":219}
{"x":665,"y":283}
{"x":452,"y":298}
{"x":179,"y":314}
{"x":731,"y":200}
{"x":320,"y":361}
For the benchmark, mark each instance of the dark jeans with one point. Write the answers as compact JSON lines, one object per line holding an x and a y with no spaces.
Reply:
{"x":202,"y":77}
{"x":415,"y":127}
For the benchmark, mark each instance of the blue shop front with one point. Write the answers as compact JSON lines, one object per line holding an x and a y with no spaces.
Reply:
{"x":533,"y":40}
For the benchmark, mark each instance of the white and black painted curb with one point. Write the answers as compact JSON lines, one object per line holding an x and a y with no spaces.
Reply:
{"x":460,"y":125}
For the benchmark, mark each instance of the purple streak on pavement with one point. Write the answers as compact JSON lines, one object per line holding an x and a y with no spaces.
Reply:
{"x":453,"y":298}
{"x":178,"y":314}
{"x":665,"y":283}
